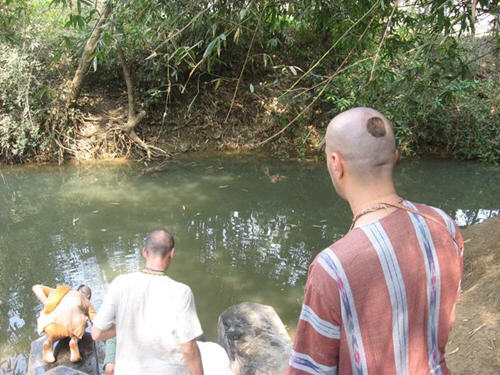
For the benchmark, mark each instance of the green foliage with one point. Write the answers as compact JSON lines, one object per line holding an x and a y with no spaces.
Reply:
{"x":433,"y":100}
{"x":405,"y":59}
{"x":12,"y":16}
{"x":19,"y":131}
{"x":27,"y":83}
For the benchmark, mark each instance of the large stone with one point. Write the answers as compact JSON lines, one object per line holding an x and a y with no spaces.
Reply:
{"x":63,"y":366}
{"x":64,"y":370}
{"x":255,"y":339}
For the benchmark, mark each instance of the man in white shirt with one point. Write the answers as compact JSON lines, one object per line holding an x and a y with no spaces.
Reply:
{"x":153,"y":317}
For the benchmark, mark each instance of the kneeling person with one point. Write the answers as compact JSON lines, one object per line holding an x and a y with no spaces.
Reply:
{"x":153,"y":317}
{"x":65,"y":314}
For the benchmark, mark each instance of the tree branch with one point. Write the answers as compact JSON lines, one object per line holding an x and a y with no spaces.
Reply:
{"x":133,"y":119}
{"x":86,"y":58}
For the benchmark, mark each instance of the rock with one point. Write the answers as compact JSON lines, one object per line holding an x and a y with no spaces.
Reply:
{"x":255,"y":339}
{"x":63,"y":366}
{"x":64,"y":370}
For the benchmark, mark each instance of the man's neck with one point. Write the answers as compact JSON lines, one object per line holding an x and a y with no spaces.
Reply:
{"x":362,"y":203}
{"x":156,"y":265}
{"x":362,"y":197}
{"x":370,"y":208}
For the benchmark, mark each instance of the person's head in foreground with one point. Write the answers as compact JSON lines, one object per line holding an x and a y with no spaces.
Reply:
{"x":361,"y":153}
{"x":158,"y":249}
{"x":380,"y":300}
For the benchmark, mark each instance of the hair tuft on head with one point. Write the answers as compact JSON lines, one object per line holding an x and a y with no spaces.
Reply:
{"x":376,"y":127}
{"x":159,"y":242}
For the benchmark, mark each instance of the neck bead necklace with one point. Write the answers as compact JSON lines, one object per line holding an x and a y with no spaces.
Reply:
{"x":369,"y":210}
{"x":151,"y":271}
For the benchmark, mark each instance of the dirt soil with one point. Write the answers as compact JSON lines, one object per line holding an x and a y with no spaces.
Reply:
{"x":203,"y":126}
{"x":474,"y":344}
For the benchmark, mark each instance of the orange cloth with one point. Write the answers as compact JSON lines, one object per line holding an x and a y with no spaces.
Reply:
{"x":72,"y":312}
{"x":55,"y":297}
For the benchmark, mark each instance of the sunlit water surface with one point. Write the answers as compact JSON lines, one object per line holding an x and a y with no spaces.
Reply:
{"x":239,"y":235}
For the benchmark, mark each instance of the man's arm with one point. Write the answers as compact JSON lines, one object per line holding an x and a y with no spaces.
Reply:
{"x":317,"y":340}
{"x":192,"y":357}
{"x":103,"y":323}
{"x":103,"y":335}
{"x":188,"y":329}
{"x":91,"y":313}
{"x":42,"y":292}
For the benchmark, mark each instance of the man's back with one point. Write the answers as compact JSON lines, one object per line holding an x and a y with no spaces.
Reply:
{"x":381,"y":299}
{"x":153,"y":315}
{"x":70,"y":311}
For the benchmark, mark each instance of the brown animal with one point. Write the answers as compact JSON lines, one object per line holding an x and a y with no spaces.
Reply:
{"x":65,"y":314}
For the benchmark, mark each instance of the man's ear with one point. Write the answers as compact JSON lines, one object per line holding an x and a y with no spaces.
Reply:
{"x":172,"y":253}
{"x":144,"y":252}
{"x":338,"y":164}
{"x":396,"y":156}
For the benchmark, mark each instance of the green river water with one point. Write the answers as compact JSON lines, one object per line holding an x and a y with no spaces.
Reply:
{"x":239,"y":235}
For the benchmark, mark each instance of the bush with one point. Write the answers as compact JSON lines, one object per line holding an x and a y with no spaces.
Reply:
{"x":19,"y":126}
{"x":27,"y":79}
{"x":435,"y":102}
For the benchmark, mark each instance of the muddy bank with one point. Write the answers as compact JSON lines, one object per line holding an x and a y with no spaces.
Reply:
{"x":214,"y":121}
{"x":474,"y":345}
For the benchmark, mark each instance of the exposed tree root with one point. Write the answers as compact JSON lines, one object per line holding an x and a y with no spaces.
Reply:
{"x":133,"y":118}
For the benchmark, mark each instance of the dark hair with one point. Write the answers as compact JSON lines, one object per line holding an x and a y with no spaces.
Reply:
{"x":159,"y":241}
{"x":85,"y":289}
{"x":375,"y":126}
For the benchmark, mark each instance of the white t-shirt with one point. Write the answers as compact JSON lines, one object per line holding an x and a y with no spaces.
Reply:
{"x":214,"y":359}
{"x":153,"y":316}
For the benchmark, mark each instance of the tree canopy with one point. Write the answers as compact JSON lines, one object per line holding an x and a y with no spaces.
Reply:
{"x":416,"y":60}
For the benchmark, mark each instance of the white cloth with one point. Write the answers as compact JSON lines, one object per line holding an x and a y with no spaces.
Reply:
{"x":153,"y":316}
{"x":214,"y":359}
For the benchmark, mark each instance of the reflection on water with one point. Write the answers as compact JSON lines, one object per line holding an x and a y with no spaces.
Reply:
{"x":239,"y":236}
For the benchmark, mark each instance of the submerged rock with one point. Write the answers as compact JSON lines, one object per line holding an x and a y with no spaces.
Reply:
{"x":255,"y":339}
{"x":63,"y":366}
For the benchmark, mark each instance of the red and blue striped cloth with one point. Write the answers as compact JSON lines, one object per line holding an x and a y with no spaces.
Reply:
{"x":381,"y":300}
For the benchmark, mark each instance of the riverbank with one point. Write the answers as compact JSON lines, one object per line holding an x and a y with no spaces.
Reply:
{"x":474,"y":345}
{"x":149,"y":79}
{"x":259,"y":120}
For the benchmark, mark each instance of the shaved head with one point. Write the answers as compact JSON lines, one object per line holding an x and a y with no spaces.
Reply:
{"x":365,"y":140}
{"x":159,"y":242}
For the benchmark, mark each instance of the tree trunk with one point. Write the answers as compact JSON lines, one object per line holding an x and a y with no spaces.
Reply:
{"x":133,"y":118}
{"x":86,"y":58}
{"x":473,"y":18}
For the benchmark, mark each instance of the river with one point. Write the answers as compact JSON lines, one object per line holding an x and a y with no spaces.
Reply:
{"x":241,"y":235}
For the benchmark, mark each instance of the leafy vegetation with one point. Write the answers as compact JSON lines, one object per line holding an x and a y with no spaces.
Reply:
{"x":421,"y":63}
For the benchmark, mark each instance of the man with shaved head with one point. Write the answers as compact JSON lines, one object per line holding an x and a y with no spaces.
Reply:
{"x":382,"y":299}
{"x":153,"y":317}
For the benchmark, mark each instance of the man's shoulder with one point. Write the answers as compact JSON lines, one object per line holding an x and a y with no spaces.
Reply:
{"x":437,"y":214}
{"x":135,"y":277}
{"x":338,"y":249}
{"x":124,"y":282}
{"x":72,"y":297}
{"x":352,"y":240}
{"x":126,"y":277}
{"x":180,"y":287}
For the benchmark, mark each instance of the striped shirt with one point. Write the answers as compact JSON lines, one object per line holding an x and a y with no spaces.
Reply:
{"x":381,"y":300}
